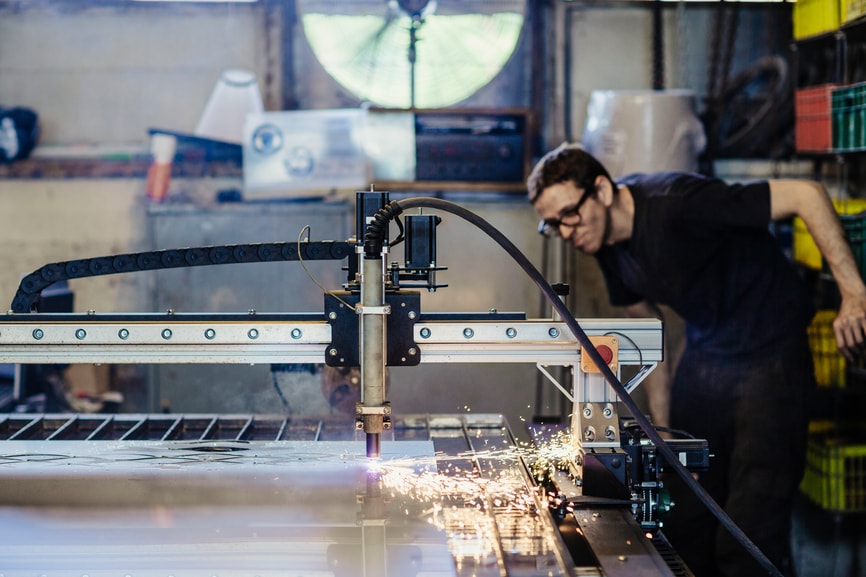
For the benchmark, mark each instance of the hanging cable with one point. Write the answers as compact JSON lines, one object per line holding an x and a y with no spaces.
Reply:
{"x":373,"y":241}
{"x":310,"y":274}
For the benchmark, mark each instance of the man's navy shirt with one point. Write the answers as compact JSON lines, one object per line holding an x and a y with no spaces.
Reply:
{"x":704,"y":248}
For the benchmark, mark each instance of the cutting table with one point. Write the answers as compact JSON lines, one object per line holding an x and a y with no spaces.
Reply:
{"x":451,"y":495}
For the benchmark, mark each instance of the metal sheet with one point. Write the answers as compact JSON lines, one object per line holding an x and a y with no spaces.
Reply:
{"x":195,"y":496}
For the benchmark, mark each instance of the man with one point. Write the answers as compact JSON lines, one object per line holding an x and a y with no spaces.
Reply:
{"x":703,"y":247}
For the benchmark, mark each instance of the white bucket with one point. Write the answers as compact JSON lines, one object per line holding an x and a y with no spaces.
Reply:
{"x":643,"y":130}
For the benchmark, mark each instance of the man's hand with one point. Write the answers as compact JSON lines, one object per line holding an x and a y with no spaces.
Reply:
{"x":810,"y":202}
{"x":850,"y":327}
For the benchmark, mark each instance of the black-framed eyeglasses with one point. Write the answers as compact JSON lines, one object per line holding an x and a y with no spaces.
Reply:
{"x":550,"y":227}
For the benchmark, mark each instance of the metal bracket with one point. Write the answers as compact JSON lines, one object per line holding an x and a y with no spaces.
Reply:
{"x":599,"y":424}
{"x":639,"y":377}
{"x":380,"y":310}
{"x":403,"y":310}
{"x":362,"y":409}
{"x":556,"y":383}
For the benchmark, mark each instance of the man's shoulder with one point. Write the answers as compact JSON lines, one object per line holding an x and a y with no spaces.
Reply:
{"x":665,"y":182}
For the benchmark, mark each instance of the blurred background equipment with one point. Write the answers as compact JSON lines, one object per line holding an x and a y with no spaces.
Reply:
{"x":19,"y":133}
{"x":162,"y":148}
{"x":308,"y":153}
{"x":304,"y":153}
{"x":235,"y":95}
{"x":643,"y":130}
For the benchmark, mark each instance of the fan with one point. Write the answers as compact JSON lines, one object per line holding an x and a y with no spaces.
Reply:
{"x":412,"y":53}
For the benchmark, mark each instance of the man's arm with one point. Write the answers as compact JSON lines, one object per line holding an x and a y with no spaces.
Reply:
{"x":809,"y":201}
{"x":658,"y":383}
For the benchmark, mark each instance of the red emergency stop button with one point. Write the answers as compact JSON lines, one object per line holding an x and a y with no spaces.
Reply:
{"x":606,"y":353}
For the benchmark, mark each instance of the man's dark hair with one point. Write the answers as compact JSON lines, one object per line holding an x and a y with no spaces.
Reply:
{"x":567,"y":162}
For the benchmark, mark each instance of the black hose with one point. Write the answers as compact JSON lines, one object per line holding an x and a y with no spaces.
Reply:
{"x":373,"y":241}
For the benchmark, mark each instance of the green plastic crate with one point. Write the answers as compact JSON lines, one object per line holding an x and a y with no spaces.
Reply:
{"x":848,"y":114}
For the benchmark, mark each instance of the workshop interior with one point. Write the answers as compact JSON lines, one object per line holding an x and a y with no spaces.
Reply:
{"x":278,"y":304}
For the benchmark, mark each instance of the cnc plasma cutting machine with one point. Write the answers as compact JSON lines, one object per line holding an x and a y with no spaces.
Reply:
{"x":380,"y":495}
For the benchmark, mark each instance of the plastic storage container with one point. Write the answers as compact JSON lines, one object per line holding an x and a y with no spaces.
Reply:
{"x":806,"y":251}
{"x":848,"y":110}
{"x":835,"y":476}
{"x":814,"y":17}
{"x":853,"y":9}
{"x":829,"y":362}
{"x":855,"y":230}
{"x":813,"y":128}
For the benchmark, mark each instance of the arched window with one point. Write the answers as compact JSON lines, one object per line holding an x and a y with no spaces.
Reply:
{"x":412,"y":54}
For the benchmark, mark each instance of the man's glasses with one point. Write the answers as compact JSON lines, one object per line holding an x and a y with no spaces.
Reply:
{"x":550,"y":228}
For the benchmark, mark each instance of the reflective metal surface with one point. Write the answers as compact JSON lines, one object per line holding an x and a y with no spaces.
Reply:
{"x":205,"y":495}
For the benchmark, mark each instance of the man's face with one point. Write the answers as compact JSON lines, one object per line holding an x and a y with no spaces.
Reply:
{"x":577,"y":217}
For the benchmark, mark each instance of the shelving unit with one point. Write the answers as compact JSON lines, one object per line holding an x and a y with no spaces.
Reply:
{"x":831,"y":128}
